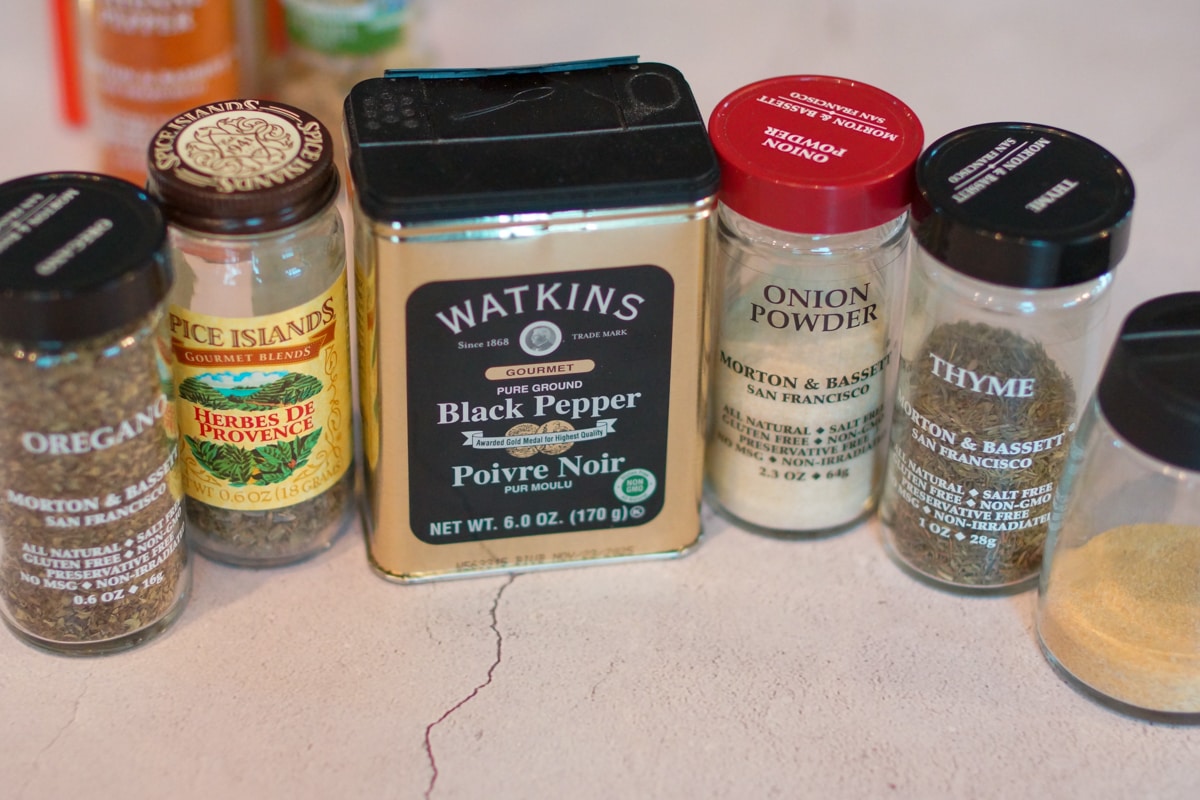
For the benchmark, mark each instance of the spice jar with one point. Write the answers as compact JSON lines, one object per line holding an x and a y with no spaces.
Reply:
{"x":91,"y":512}
{"x":812,"y":235}
{"x":149,"y":61}
{"x":260,"y":327}
{"x":334,"y":44}
{"x":1019,"y":230}
{"x":1119,"y":601}
{"x":532,"y":333}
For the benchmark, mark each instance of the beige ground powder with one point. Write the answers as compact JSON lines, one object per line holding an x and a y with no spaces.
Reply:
{"x":1122,"y":615}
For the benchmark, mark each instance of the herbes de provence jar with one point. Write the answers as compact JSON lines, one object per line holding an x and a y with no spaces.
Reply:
{"x":816,"y":179}
{"x":91,"y":508}
{"x":1019,"y":228}
{"x":1119,"y":602}
{"x":260,"y":325}
{"x":531,"y":292}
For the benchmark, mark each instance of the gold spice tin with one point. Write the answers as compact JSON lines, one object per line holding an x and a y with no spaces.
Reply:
{"x":532,"y":314}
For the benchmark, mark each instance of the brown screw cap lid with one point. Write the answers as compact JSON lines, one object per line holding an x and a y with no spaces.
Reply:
{"x":242,"y":167}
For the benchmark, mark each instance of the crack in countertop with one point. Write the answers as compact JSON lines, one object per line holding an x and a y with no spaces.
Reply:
{"x":474,"y":692}
{"x":66,"y":726}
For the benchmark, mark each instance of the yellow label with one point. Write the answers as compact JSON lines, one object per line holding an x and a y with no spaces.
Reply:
{"x":264,"y":403}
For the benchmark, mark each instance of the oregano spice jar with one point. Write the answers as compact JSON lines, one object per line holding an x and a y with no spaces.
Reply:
{"x":812,"y":233}
{"x":1019,"y":228}
{"x":91,"y":508}
{"x":259,"y":323}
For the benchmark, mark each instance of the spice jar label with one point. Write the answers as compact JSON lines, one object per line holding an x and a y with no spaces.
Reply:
{"x":554,"y":417}
{"x":800,"y":374}
{"x":983,"y":423}
{"x":91,"y":516}
{"x":152,"y":60}
{"x":357,"y":27}
{"x":264,"y":403}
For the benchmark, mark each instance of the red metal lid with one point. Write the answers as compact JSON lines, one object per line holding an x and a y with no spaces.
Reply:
{"x":815,"y":154}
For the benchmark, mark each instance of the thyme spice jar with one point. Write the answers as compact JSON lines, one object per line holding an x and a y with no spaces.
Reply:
{"x":91,"y":508}
{"x":811,"y":241}
{"x":1019,"y":229}
{"x":532,"y":324}
{"x":260,"y":324}
{"x":1119,"y":603}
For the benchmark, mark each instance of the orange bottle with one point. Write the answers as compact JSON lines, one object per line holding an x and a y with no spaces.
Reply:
{"x":152,"y":60}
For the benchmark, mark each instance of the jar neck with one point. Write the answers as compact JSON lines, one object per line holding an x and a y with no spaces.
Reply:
{"x":323,"y":216}
{"x":1090,"y":297}
{"x":110,"y":343}
{"x":732,"y":225}
{"x":237,"y":248}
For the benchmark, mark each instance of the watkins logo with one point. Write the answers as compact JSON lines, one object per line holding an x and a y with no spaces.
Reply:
{"x":540,"y":298}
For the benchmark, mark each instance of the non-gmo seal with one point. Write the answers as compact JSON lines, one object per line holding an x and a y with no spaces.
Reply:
{"x":635,"y":485}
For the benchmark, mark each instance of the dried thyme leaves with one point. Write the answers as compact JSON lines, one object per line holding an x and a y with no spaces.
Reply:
{"x":973,"y":472}
{"x":92,"y":538}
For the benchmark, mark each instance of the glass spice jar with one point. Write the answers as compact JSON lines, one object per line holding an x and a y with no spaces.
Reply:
{"x":1019,"y":228}
{"x":334,"y":44}
{"x":1119,"y":603}
{"x":260,"y":327}
{"x":812,"y":232}
{"x":91,"y":508}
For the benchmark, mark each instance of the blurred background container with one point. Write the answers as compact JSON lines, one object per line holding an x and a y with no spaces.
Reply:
{"x":126,"y":67}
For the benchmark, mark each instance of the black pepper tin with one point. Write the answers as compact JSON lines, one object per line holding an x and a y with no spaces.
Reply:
{"x":533,"y":322}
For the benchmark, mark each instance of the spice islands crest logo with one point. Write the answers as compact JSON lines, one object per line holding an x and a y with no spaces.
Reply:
{"x":237,"y":145}
{"x":240,"y":149}
{"x":272,"y":412}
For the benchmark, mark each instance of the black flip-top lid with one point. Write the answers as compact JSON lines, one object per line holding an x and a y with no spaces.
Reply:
{"x":443,"y":145}
{"x":1150,"y":390}
{"x":1022,"y":205}
{"x":80,"y":255}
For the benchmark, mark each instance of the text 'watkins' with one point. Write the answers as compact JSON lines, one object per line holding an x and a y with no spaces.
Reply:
{"x":540,"y":298}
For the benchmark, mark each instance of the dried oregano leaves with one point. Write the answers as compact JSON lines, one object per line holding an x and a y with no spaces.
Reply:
{"x":93,"y":535}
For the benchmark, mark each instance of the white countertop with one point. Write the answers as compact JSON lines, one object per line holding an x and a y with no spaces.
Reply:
{"x":752,"y":667}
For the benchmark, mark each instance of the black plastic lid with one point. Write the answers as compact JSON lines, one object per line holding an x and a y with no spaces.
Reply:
{"x":1022,"y":205}
{"x":452,"y":146}
{"x":1150,"y":390}
{"x":80,"y":255}
{"x":242,"y":167}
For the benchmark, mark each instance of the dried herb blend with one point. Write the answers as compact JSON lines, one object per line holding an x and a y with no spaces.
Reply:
{"x":975,"y":487}
{"x":90,"y":497}
{"x":1019,"y":228}
{"x":260,"y":327}
{"x":810,"y":259}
